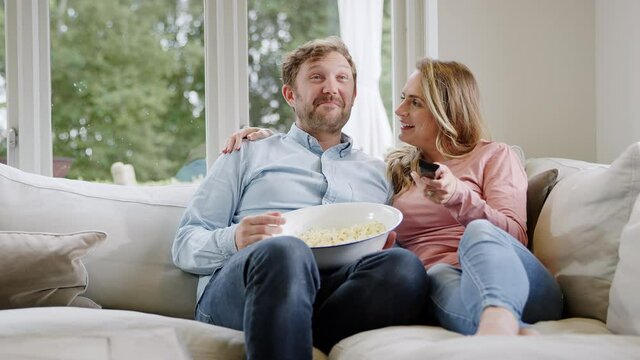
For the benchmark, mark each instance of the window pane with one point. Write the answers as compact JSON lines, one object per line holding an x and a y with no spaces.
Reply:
{"x":128,"y":86}
{"x":3,"y":94}
{"x":276,"y":27}
{"x":386,"y":85}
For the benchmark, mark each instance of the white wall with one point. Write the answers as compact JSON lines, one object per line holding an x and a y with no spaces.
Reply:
{"x":617,"y":76}
{"x":535,"y":64}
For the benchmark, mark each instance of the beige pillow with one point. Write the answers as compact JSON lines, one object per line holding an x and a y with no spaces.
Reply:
{"x":538,"y":189}
{"x":623,"y":315}
{"x":38,"y":269}
{"x":578,"y":231}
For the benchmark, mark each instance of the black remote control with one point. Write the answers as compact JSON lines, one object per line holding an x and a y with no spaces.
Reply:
{"x":428,"y":169}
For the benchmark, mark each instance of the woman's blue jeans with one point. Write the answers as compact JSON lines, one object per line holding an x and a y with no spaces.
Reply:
{"x":273,"y":291}
{"x":495,"y":270}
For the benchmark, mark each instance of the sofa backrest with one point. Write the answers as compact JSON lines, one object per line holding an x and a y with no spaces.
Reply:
{"x":132,"y":269}
{"x":565,"y":167}
{"x":543,"y":174}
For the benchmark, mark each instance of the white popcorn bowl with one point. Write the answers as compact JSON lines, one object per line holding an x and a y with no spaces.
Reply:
{"x":338,"y":216}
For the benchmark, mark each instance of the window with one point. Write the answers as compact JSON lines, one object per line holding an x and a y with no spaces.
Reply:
{"x":274,"y":28}
{"x":127,"y":77}
{"x":127,"y":85}
{"x":3,"y":95}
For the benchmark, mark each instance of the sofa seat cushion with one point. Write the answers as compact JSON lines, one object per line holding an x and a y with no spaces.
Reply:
{"x":157,"y":344}
{"x":565,"y":339}
{"x":202,"y":341}
{"x":558,"y":347}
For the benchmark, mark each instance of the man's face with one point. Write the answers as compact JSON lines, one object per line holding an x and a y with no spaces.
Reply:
{"x":323,"y":94}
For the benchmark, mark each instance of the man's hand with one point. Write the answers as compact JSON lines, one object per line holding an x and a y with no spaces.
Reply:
{"x":252,"y":133}
{"x":258,"y":227}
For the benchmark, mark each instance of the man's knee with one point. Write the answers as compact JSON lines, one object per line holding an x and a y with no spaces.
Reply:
{"x":400,"y":266}
{"x":284,"y":256}
{"x":282,"y":250}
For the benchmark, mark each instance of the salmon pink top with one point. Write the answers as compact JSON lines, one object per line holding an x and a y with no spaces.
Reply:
{"x":492,"y":185}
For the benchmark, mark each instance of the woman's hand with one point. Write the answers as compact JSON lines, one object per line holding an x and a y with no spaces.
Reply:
{"x":439,"y":189}
{"x":251,"y":133}
{"x":391,"y":240}
{"x":258,"y":227}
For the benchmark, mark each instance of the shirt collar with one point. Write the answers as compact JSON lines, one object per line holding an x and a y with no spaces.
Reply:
{"x":309,"y":142}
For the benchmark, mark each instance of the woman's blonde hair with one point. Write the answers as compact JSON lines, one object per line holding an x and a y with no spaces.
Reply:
{"x":452,"y":96}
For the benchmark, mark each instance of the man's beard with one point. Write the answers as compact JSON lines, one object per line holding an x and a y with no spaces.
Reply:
{"x":313,"y":121}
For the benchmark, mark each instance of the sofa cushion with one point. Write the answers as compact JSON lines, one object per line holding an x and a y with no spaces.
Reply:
{"x":539,"y":187}
{"x":579,"y":227}
{"x":133,"y":269}
{"x":557,"y":347}
{"x":38,"y":269}
{"x":157,"y":344}
{"x":574,"y":338}
{"x":624,"y":298}
{"x":202,"y":341}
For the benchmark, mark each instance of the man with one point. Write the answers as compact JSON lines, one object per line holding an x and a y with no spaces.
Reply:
{"x":267,"y":285}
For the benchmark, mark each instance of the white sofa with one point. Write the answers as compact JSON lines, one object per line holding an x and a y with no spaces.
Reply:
{"x":147,"y":303}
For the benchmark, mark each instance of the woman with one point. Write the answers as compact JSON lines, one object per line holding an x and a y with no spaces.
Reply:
{"x":467,"y":223}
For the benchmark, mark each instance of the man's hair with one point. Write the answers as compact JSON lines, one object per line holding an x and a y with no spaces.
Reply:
{"x":313,"y":50}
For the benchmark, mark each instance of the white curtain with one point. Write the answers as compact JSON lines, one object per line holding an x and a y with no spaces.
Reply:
{"x":361,"y":30}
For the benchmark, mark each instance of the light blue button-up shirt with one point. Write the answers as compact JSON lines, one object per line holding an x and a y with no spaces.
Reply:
{"x":281,"y":173}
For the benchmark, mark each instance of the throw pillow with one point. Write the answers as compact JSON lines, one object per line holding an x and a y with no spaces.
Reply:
{"x":539,"y":187}
{"x":38,"y":269}
{"x":578,"y":231}
{"x":623,"y":315}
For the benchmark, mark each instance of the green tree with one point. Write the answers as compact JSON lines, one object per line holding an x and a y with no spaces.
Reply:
{"x":119,"y":85}
{"x":128,"y":78}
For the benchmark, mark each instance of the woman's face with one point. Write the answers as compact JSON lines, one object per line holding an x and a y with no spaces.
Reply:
{"x":417,"y":124}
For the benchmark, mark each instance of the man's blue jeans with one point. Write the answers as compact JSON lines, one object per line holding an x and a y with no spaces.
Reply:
{"x":496,"y":270}
{"x":273,"y":291}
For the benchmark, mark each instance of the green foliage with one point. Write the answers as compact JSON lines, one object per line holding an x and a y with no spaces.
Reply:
{"x":128,"y":77}
{"x":121,"y":73}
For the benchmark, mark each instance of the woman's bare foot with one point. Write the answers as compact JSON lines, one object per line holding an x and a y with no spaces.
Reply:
{"x":497,"y":321}
{"x":528,"y":332}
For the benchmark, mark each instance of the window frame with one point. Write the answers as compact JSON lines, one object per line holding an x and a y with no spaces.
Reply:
{"x":28,"y":67}
{"x":28,"y":76}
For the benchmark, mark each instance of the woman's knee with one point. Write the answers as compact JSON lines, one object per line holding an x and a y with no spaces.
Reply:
{"x":442,"y":275}
{"x":478,"y":232}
